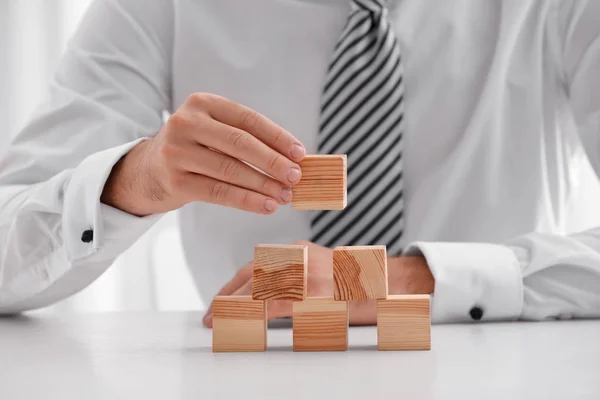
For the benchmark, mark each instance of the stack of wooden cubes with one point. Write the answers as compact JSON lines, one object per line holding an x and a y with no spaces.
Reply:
{"x":320,"y":323}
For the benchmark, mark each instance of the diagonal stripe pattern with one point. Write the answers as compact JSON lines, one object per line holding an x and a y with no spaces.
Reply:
{"x":362,"y":114}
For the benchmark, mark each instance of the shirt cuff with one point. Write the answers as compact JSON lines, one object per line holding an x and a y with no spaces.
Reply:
{"x":90,"y":227}
{"x":473,"y":281}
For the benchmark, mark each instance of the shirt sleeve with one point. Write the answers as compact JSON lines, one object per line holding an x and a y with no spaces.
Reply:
{"x":535,"y":276}
{"x":107,"y":95}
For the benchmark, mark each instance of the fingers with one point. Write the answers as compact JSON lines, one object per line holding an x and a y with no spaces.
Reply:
{"x":247,"y":135}
{"x":216,"y":151}
{"x":209,"y":190}
{"x":222,"y":167}
{"x":268,"y":132}
{"x":242,"y":145}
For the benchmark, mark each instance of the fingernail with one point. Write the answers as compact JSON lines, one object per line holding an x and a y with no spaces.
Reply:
{"x":286,"y":195}
{"x":270,"y":205}
{"x":294,"y":175}
{"x":297,"y":152}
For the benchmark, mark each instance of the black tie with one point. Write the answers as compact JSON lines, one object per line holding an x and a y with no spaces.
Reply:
{"x":362,"y":116}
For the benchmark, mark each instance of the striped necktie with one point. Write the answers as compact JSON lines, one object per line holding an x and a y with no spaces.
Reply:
{"x":362,"y":116}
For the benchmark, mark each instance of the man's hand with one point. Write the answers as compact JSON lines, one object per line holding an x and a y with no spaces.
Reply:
{"x":406,"y":275}
{"x":201,"y":154}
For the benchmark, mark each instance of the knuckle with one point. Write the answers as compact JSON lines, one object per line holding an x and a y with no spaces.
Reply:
{"x":219,"y":192}
{"x":239,"y":140}
{"x":274,"y":161}
{"x":229,"y":168}
{"x":178,"y":121}
{"x":265,"y":185}
{"x":247,"y":200}
{"x":250,"y":119}
{"x":270,"y":188}
{"x":200,"y":100}
{"x":279,"y":136}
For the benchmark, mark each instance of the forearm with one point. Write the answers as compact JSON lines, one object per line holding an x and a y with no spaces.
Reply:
{"x":56,"y":237}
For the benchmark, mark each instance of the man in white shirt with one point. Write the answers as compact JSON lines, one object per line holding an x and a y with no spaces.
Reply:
{"x":502,"y":118}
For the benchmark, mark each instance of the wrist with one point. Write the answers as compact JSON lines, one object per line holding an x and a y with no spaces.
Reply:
{"x":409,"y":275}
{"x":124,"y":188}
{"x":406,"y":275}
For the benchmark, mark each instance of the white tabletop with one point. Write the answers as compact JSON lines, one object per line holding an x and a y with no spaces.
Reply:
{"x":168,"y":356}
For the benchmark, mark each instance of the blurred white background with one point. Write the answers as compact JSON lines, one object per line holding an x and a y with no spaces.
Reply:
{"x":152,"y":275}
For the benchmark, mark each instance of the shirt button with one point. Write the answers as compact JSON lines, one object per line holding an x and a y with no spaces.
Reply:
{"x":476,"y":313}
{"x":87,"y":236}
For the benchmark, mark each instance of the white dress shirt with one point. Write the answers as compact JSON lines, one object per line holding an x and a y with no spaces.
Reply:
{"x":503,"y":123}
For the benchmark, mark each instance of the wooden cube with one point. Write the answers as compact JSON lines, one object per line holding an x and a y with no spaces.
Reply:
{"x":404,"y":323}
{"x":360,"y":272}
{"x":323,"y":183}
{"x":280,"y":272}
{"x":320,"y":324}
{"x":239,"y":324}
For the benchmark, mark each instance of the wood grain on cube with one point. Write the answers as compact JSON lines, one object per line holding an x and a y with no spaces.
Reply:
{"x":404,"y":323}
{"x":320,"y":324}
{"x":239,"y":324}
{"x":323,"y":183}
{"x":360,"y":272}
{"x":280,"y":272}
